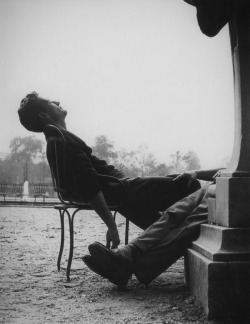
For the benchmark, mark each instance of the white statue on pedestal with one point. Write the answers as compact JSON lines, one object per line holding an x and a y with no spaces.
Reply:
{"x":25,"y":190}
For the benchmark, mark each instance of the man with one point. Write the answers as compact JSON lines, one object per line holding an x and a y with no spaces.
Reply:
{"x":146,"y":198}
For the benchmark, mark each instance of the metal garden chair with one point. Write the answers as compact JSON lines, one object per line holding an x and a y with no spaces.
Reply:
{"x":18,"y":190}
{"x":56,"y":155}
{"x":40,"y":191}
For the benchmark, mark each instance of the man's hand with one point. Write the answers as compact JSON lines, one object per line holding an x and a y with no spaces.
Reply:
{"x":112,"y":237}
{"x":218,"y":173}
{"x":99,"y":204}
{"x":205,"y":175}
{"x":190,"y":175}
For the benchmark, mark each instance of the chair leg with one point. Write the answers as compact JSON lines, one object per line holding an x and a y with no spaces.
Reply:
{"x":186,"y":269}
{"x":62,"y":239}
{"x":126,"y":228}
{"x":71,"y":248}
{"x":126,"y":231}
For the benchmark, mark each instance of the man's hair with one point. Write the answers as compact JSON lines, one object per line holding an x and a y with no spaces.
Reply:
{"x":29,"y":110}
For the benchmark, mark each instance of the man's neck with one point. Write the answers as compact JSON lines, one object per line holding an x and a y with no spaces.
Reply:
{"x":61,"y":125}
{"x":58,"y":125}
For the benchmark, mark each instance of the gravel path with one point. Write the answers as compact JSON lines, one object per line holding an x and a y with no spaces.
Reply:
{"x":33,"y":291}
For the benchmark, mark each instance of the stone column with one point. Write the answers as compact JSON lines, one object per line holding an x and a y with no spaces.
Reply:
{"x":219,"y":261}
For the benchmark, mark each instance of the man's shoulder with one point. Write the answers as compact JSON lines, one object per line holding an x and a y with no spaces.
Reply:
{"x":70,"y":137}
{"x":75,"y":143}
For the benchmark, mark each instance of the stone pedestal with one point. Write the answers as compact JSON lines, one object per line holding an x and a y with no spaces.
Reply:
{"x":219,"y":271}
{"x":233,"y":201}
{"x":223,"y":244}
{"x":222,"y":287}
{"x":219,"y":261}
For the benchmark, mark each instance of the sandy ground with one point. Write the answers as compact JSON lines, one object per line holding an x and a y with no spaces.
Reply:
{"x":33,"y":291}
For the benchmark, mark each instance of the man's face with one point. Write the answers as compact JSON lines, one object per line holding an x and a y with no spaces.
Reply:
{"x":55,"y":112}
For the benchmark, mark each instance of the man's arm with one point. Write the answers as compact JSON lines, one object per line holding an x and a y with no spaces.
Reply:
{"x":205,"y":175}
{"x":99,"y":204}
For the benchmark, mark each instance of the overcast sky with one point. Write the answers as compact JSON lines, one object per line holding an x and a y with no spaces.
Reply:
{"x":138,"y":71}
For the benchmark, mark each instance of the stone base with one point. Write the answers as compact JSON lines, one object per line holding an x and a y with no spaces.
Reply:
{"x":223,"y":288}
{"x":212,"y":210}
{"x":223,"y":244}
{"x":232,"y":202}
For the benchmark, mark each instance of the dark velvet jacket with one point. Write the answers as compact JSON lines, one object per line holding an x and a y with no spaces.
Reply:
{"x":83,"y":168}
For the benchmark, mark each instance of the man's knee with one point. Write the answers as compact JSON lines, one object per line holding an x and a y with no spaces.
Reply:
{"x":211,"y":191}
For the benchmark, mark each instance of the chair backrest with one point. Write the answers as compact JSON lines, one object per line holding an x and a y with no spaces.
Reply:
{"x":40,"y":188}
{"x":56,"y":152}
{"x":56,"y":155}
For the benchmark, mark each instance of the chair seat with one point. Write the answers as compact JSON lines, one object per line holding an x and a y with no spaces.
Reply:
{"x":78,"y":206}
{"x":75,"y":206}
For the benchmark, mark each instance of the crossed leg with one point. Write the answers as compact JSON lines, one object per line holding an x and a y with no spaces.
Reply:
{"x":158,"y":247}
{"x":167,"y":239}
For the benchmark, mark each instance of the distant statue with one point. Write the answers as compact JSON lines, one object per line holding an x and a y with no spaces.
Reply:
{"x":25,"y":190}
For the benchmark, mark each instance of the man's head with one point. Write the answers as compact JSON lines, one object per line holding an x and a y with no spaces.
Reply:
{"x":36,"y":112}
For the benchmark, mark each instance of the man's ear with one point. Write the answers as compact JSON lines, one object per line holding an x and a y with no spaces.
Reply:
{"x":43,"y":115}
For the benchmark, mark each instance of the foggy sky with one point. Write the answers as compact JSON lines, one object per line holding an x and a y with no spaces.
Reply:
{"x":138,"y":71}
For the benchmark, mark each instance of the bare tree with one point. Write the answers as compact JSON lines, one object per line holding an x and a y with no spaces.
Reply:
{"x":192,"y":161}
{"x":23,"y":150}
{"x":145,"y":160}
{"x":177,"y":161}
{"x":104,"y":149}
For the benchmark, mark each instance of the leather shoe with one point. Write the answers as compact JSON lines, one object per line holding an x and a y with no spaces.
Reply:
{"x":92,"y":265}
{"x":119,"y":268}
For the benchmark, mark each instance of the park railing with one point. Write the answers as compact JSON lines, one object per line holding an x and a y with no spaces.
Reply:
{"x":15,"y":191}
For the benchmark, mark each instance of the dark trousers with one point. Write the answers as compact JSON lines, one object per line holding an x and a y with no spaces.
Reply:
{"x":147,"y":197}
{"x":167,"y":239}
